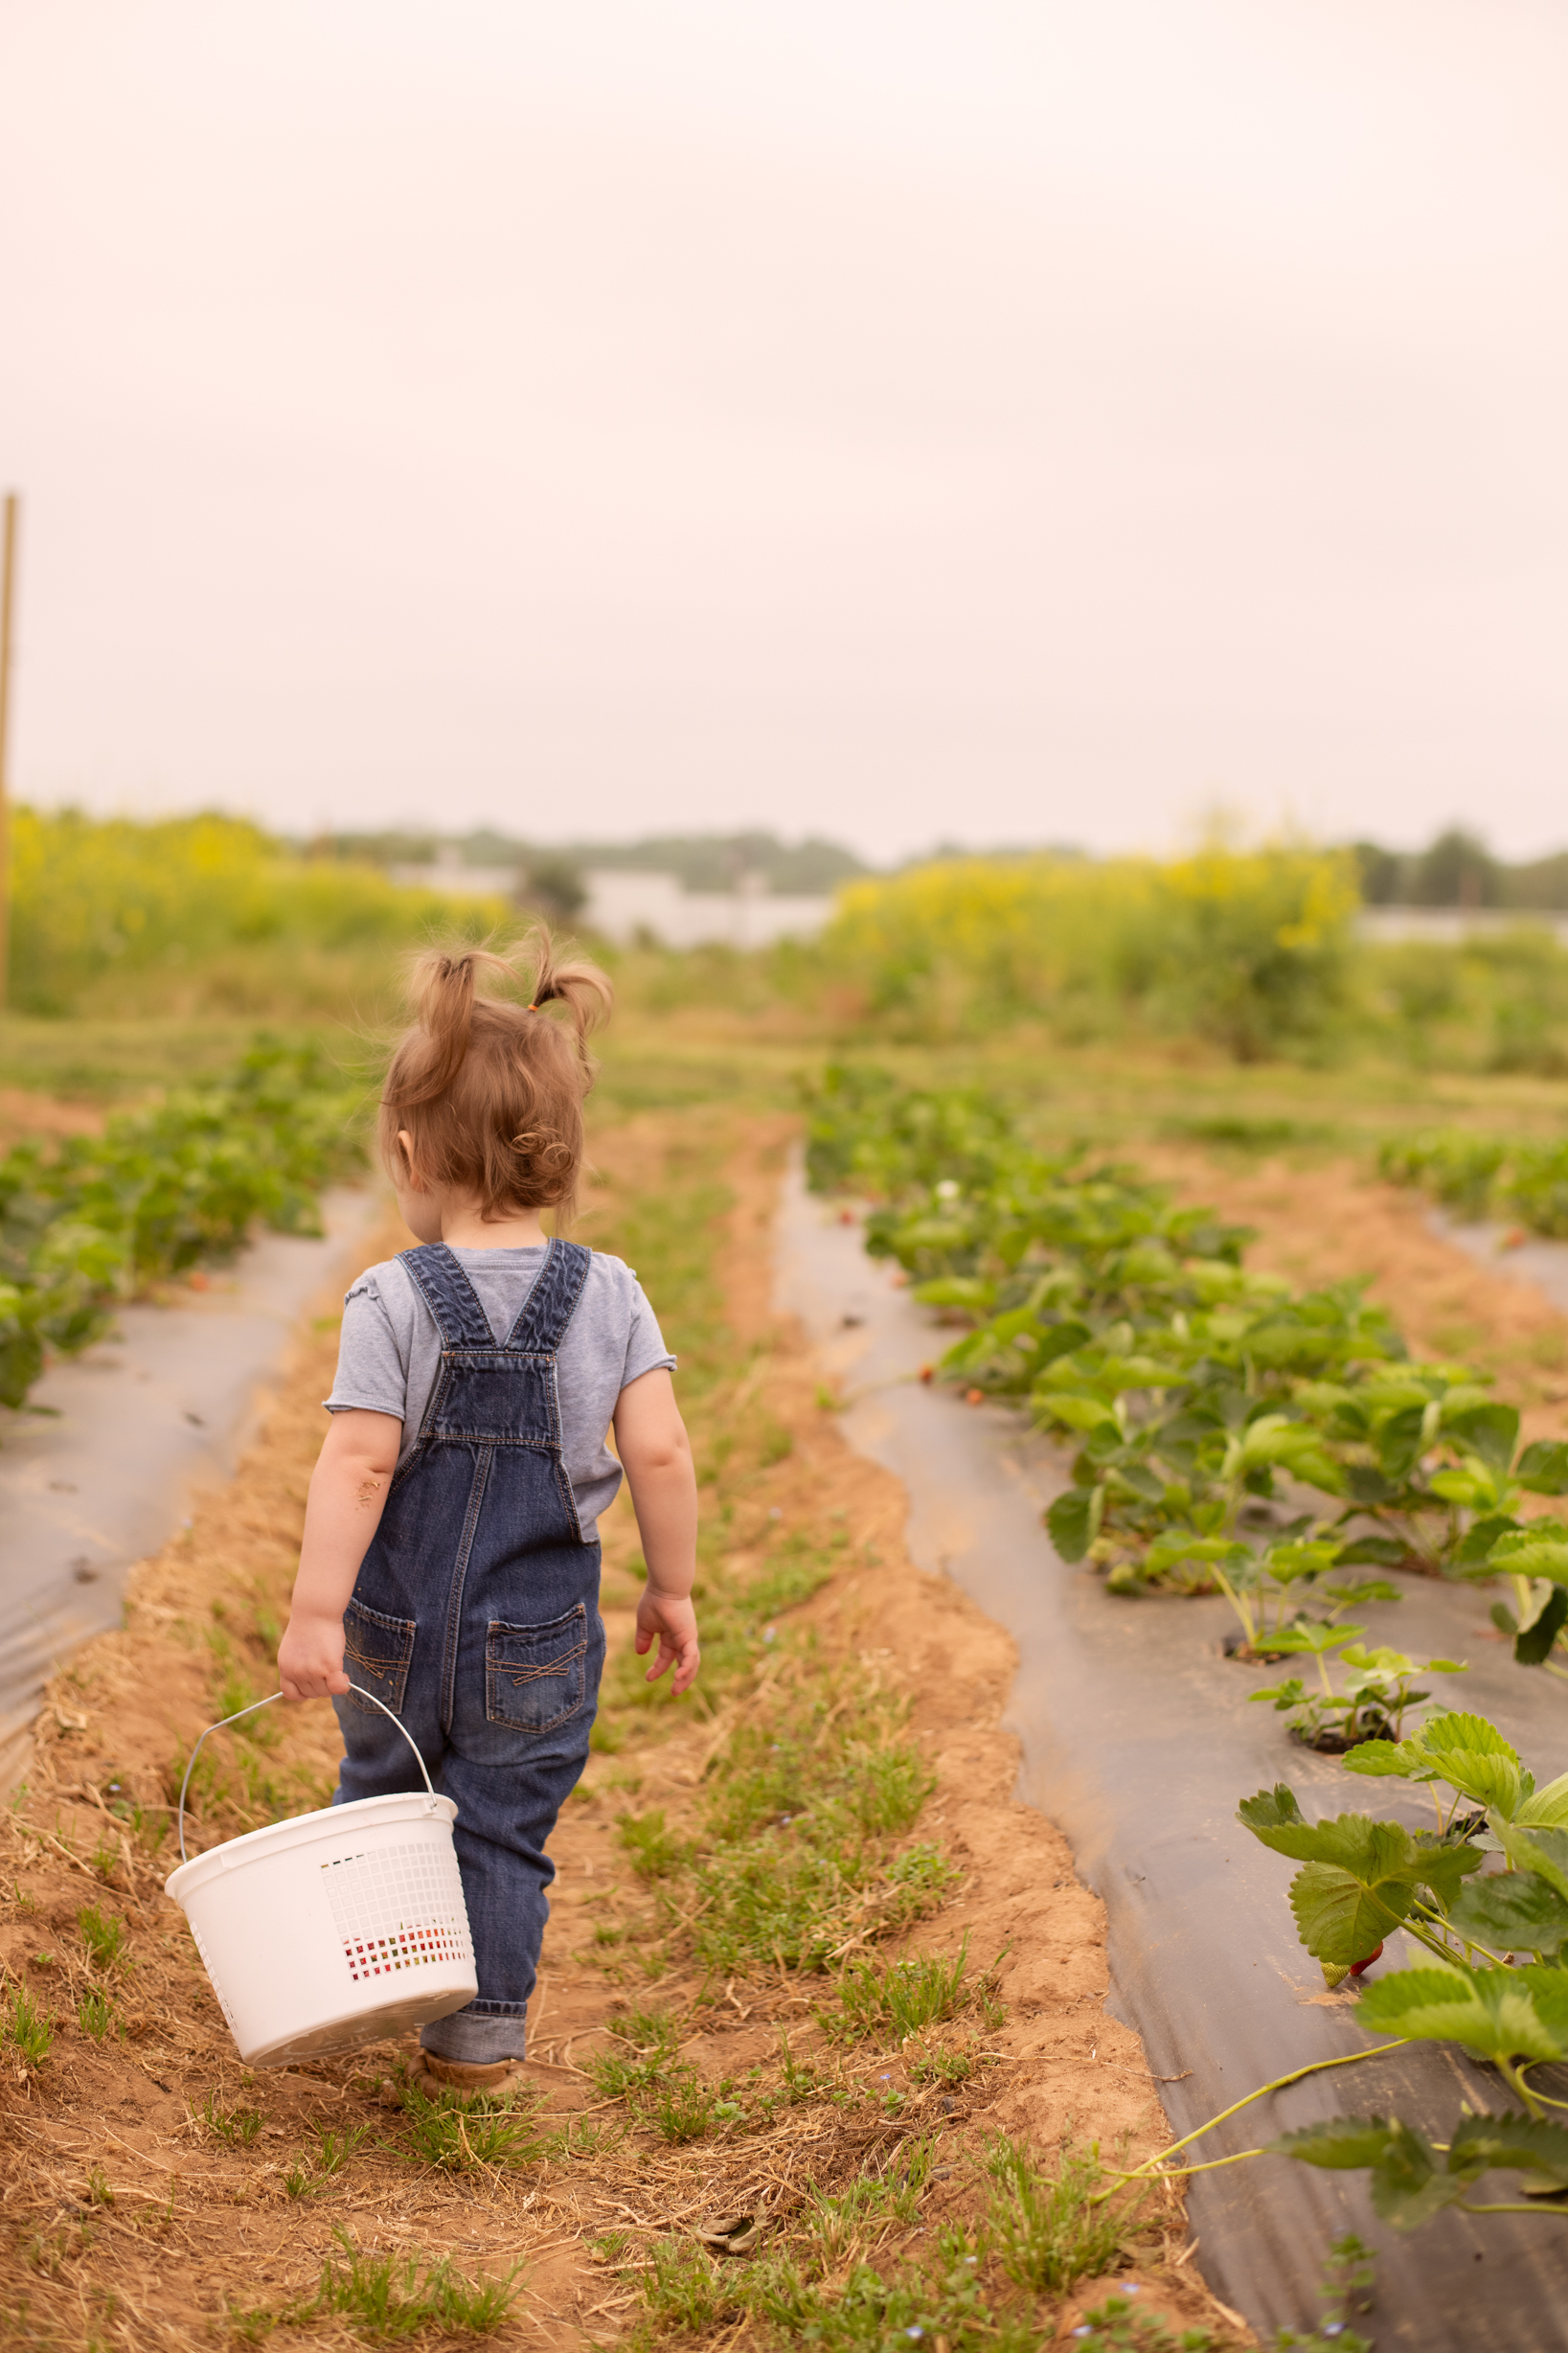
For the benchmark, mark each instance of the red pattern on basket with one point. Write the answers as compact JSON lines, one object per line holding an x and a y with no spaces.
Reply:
{"x":398,"y":1908}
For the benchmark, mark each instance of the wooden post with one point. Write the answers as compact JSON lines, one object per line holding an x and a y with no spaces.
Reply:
{"x":8,"y":597}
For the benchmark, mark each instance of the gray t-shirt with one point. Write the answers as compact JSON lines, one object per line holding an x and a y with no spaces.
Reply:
{"x":390,"y":1353}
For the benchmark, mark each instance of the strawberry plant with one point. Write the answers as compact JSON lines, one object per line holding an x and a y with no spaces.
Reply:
{"x":1376,"y":1695}
{"x":1227,"y":1434}
{"x":93,"y":1220}
{"x":1361,"y":1879}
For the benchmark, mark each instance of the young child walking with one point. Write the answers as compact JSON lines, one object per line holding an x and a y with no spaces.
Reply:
{"x":450,"y":1555}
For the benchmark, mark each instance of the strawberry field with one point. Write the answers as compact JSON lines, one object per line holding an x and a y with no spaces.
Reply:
{"x":1223,"y":1433}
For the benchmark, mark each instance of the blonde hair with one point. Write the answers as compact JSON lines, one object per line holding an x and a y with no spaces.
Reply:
{"x":490,"y":1091}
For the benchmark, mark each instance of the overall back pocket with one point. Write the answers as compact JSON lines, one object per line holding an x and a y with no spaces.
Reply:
{"x":537,"y":1676}
{"x":376,"y":1650}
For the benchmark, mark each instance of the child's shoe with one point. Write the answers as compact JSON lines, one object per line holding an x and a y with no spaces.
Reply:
{"x":464,"y":2075}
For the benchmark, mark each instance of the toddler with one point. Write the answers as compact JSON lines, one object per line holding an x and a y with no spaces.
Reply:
{"x":450,"y":1555}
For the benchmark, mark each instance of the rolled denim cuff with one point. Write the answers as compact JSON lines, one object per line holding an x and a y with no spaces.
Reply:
{"x":475,"y":2038}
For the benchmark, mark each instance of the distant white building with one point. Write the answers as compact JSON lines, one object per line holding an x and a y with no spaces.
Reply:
{"x":449,"y":873}
{"x":1452,"y":925}
{"x":622,"y":905}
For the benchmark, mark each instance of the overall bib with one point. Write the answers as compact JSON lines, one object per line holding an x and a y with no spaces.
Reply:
{"x":475,"y":1619}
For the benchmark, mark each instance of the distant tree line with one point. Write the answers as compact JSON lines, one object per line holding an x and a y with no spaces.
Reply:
{"x":702,"y":861}
{"x":1459,"y":871}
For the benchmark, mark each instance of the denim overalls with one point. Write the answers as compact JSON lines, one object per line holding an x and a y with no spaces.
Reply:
{"x":475,"y":1619}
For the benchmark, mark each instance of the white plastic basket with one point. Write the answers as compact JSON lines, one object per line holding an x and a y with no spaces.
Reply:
{"x":335,"y":1929}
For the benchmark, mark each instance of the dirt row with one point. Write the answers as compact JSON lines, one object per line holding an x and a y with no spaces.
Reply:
{"x":133,"y":2209}
{"x":1323,"y":1222}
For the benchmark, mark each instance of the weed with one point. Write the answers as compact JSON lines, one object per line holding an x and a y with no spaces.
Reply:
{"x":99,"y":2191}
{"x":612,"y":2247}
{"x":387,"y":2297}
{"x":948,"y":2067}
{"x":841,"y":2227}
{"x":1045,"y":2229}
{"x":104,"y":1861}
{"x":683,"y":2288}
{"x":1119,"y":2327}
{"x":334,"y":2150}
{"x":902,"y":1998}
{"x":27,"y":2030}
{"x":682,"y":2106}
{"x":604,"y":1934}
{"x":459,"y":2135}
{"x":655,"y":1852}
{"x":864,"y":2313}
{"x":653,"y":2032}
{"x":237,"y":2127}
{"x":299,"y":2181}
{"x":251,"y":2324}
{"x":104,"y":1938}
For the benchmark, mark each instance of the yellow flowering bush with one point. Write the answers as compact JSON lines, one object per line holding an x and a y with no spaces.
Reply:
{"x":1249,"y":949}
{"x":95,"y":902}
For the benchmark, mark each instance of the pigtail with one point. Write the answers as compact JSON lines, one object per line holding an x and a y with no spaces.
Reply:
{"x":491,"y":1088}
{"x":583,"y":989}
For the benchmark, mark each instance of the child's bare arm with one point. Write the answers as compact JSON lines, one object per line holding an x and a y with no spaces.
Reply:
{"x":656,"y":1456}
{"x":348,"y":1489}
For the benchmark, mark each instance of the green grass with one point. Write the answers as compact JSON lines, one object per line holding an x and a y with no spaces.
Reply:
{"x":900,"y":1997}
{"x":27,"y":2031}
{"x":96,"y":2015}
{"x":1047,"y":2228}
{"x":654,"y":1851}
{"x":390,"y":2298}
{"x":458,"y":2133}
{"x":238,"y":2128}
{"x":103,"y":1939}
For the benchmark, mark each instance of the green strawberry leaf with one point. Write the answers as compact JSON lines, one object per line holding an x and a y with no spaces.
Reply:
{"x":1543,"y":1468}
{"x":1474,"y":1758}
{"x":1273,"y":1810}
{"x":1497,"y":2012}
{"x":1547,"y":1809}
{"x":1403,"y":1759}
{"x":1067,"y":1522}
{"x":1372,"y":1553}
{"x":1345,"y":2145}
{"x":1315,"y":1638}
{"x":1510,"y":1911}
{"x":1540,"y":1550}
{"x":1513,"y":2143}
{"x":1491,"y":1431}
{"x":1474,"y":1548}
{"x":1541,"y":1849}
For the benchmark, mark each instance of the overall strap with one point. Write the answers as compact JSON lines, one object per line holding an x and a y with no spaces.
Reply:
{"x":449,"y":1296}
{"x":550,"y":1304}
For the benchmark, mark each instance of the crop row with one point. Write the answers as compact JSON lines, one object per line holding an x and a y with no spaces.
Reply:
{"x":1522,"y":1182}
{"x":1233,"y":1435}
{"x":90,"y":1222}
{"x":1230,"y":1433}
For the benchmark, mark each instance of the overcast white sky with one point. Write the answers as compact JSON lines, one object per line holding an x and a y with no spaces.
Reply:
{"x":992,"y":419}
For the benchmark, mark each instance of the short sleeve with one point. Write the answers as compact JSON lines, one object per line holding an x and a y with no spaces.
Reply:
{"x":372,"y":1369}
{"x":646,"y":1350}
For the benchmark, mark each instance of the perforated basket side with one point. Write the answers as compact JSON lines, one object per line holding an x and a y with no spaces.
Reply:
{"x":213,"y":1978}
{"x":398,"y":1908}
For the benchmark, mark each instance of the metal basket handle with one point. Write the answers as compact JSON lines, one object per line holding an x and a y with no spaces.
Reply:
{"x":267,"y":1703}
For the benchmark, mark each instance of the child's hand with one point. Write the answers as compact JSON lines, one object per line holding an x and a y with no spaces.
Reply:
{"x":674,"y":1622}
{"x":310,"y":1659}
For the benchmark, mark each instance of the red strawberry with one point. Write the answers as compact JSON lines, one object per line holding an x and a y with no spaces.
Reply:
{"x":1356,"y":1967}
